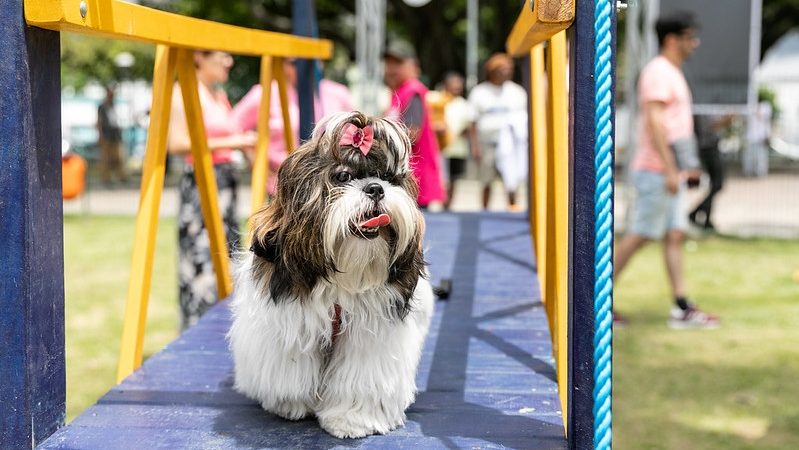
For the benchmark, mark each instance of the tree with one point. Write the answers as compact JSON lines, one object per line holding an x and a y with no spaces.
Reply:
{"x":85,"y":59}
{"x":779,"y":17}
{"x":442,"y":22}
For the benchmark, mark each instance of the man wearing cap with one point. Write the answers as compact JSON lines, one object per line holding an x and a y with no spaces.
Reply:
{"x":498,"y":103}
{"x":407,"y":105}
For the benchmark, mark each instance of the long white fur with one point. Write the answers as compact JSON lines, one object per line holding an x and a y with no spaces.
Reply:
{"x":284,"y":354}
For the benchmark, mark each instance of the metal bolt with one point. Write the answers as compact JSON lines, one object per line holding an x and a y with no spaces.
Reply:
{"x":84,"y":8}
{"x":621,"y":5}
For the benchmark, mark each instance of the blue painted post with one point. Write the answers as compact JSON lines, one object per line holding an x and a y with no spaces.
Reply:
{"x":32,"y":387}
{"x":583,"y":224}
{"x":303,"y":20}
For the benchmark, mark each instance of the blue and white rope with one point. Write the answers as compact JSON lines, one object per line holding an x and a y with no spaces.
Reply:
{"x":603,"y":215}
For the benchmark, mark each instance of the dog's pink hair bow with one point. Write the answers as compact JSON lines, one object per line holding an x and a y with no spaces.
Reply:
{"x":360,"y":138}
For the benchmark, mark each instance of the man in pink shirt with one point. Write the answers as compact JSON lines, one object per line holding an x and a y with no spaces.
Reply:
{"x":667,"y":122}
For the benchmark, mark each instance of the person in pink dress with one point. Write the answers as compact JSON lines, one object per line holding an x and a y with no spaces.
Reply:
{"x":195,"y":269}
{"x":333,"y":97}
{"x":408,"y":106}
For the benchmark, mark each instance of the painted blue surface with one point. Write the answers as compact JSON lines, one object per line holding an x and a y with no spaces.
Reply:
{"x":32,"y":391}
{"x":486,"y":377}
{"x":303,"y":23}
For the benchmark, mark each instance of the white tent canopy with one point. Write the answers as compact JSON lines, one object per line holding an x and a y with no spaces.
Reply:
{"x":779,"y":72}
{"x":781,"y":62}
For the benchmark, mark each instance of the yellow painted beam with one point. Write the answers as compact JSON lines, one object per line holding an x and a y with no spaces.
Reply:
{"x":558,"y":226}
{"x":204,"y":172}
{"x":538,"y":171}
{"x":538,"y":21}
{"x":282,"y":89}
{"x":152,"y":184}
{"x":121,"y":20}
{"x":260,"y":168}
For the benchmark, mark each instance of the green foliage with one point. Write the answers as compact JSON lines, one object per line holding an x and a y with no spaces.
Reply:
{"x":85,"y":59}
{"x":768,"y":95}
{"x":439,"y":22}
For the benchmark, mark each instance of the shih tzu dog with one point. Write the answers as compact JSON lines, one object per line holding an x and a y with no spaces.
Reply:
{"x":332,"y":304}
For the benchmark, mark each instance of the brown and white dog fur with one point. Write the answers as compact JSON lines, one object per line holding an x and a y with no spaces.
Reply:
{"x":329,"y":315}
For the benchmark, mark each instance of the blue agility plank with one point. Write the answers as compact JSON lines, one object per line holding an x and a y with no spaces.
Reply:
{"x":32,"y":386}
{"x":486,"y":376}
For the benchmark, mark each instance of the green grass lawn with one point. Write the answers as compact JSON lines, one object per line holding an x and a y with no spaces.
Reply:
{"x":97,"y":252}
{"x":731,"y":388}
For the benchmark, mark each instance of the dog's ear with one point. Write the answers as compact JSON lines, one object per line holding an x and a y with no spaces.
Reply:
{"x":268,"y":248}
{"x":404,"y":274}
{"x":288,"y":234}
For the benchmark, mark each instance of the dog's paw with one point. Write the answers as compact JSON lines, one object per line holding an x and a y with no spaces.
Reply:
{"x":289,"y":410}
{"x":356,"y":426}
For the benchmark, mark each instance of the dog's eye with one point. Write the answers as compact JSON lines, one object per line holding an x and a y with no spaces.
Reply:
{"x":343,"y":177}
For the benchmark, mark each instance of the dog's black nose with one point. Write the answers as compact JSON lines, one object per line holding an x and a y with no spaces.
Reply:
{"x":374,"y":191}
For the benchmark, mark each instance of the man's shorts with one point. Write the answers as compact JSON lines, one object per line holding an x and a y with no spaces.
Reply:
{"x":487,"y":166}
{"x":655,"y":210}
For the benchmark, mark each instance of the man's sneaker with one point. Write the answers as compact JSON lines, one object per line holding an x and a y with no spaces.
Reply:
{"x":692,"y":317}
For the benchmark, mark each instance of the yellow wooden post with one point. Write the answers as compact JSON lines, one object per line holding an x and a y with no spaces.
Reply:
{"x":538,"y":170}
{"x":282,"y":89}
{"x":152,"y":184}
{"x":558,"y":224}
{"x":204,"y":172}
{"x":260,"y":168}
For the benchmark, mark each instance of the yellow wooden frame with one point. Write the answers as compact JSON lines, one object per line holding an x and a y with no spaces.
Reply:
{"x":120,"y":20}
{"x":260,"y":167}
{"x":204,"y":171}
{"x":540,"y":33}
{"x":538,"y":21}
{"x":556,"y":294}
{"x":152,"y":184}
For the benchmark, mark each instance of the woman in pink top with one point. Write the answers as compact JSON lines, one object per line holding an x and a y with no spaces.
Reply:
{"x":195,"y":270}
{"x":333,"y":97}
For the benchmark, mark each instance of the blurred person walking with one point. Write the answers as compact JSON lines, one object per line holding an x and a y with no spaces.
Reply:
{"x":195,"y":270}
{"x":457,"y":118}
{"x":708,"y":131}
{"x":657,"y":213}
{"x":497,"y":103}
{"x":110,"y":140}
{"x":408,"y":106}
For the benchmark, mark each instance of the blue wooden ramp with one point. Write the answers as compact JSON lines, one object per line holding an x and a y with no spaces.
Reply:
{"x":486,"y":378}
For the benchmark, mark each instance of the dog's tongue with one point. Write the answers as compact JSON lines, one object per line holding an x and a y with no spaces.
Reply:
{"x":379,"y":221}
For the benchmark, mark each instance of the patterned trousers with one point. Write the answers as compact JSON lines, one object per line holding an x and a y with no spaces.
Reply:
{"x":195,"y":270}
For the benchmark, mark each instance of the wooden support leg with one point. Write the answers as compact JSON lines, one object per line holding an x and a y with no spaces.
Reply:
{"x":204,"y":172}
{"x":282,"y":88}
{"x":152,"y":184}
{"x":538,"y":171}
{"x":558,"y":209}
{"x":260,"y":169}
